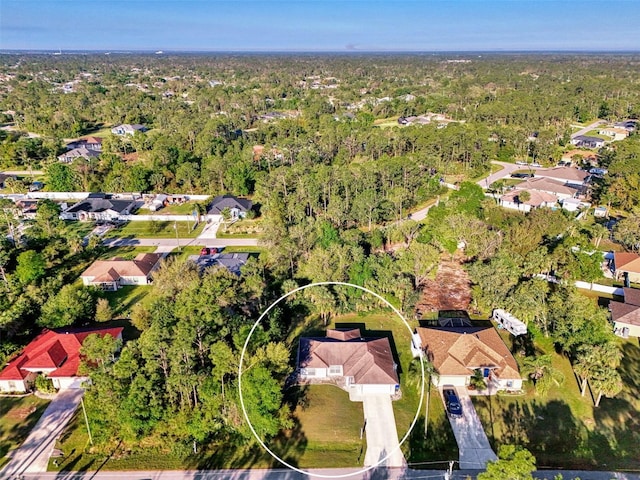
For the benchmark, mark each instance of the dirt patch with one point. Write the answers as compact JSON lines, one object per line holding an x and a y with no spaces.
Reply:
{"x":450,"y":290}
{"x":20,"y":413}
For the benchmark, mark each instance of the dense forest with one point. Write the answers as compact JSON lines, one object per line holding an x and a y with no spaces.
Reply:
{"x":334,"y":177}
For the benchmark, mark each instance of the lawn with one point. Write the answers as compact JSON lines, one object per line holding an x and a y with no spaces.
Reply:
{"x":18,"y":415}
{"x":241,"y":229}
{"x":123,"y":300}
{"x":81,"y":229}
{"x":127,"y":253}
{"x":564,"y":429}
{"x":155,"y":229}
{"x":327,"y":426}
{"x":176,"y":209}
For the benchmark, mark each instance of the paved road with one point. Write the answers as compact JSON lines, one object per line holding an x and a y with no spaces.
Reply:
{"x":22,"y":173}
{"x":184,"y":242}
{"x":280,"y":474}
{"x":588,"y":128}
{"x":33,"y":455}
{"x":382,"y":436}
{"x":473,"y":443}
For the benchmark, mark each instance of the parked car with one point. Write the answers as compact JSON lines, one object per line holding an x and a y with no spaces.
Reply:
{"x":522,"y":175}
{"x":451,"y":402}
{"x":536,"y":165}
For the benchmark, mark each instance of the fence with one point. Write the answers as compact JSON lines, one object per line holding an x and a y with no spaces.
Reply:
{"x":169,"y":218}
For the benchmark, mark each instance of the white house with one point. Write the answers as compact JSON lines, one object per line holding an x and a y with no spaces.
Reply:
{"x":618,"y":133}
{"x":98,"y":206}
{"x":536,"y":199}
{"x":344,"y":358}
{"x":128,"y":129}
{"x":567,"y":175}
{"x":112,"y":274}
{"x":237,"y":207}
{"x":54,"y":353}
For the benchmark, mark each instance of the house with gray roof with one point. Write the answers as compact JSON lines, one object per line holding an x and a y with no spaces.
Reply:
{"x":80,"y":152}
{"x":99,"y":206}
{"x":128,"y":129}
{"x":587,"y":142}
{"x":231,"y":261}
{"x":237,"y":207}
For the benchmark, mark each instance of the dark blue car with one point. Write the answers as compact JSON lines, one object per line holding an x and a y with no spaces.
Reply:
{"x":452,"y":403}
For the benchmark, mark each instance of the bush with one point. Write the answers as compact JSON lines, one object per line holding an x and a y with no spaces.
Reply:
{"x":44,"y":384}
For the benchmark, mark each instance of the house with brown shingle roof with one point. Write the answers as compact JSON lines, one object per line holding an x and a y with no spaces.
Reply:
{"x":537,"y":199}
{"x":626,"y":265}
{"x":112,"y":274}
{"x":547,"y":185}
{"x":566,"y":175}
{"x":54,"y":353}
{"x":345,"y":358}
{"x":457,"y":352}
{"x":626,"y":315}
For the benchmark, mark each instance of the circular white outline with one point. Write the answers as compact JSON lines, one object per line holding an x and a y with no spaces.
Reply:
{"x":246,"y":416}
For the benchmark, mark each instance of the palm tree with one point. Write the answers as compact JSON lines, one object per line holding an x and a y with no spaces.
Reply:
{"x":542,"y":373}
{"x":323,"y":300}
{"x":593,"y":358}
{"x":606,"y":381}
{"x":415,"y":379}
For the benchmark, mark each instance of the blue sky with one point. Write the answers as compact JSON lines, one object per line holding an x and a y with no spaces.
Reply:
{"x":315,"y":25}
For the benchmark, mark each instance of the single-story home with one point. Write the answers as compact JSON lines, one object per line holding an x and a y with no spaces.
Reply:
{"x":237,"y":207}
{"x":537,"y":199}
{"x":618,"y":133}
{"x":98,"y":206}
{"x":231,"y":261}
{"x":626,"y":265}
{"x":626,"y":316}
{"x":629,"y":125}
{"x":344,"y":358}
{"x":112,"y":274}
{"x":587,"y":142}
{"x":566,"y":175}
{"x":457,"y":352}
{"x":54,"y":353}
{"x":80,"y":152}
{"x":585,"y":155}
{"x":573,"y":204}
{"x":90,"y":143}
{"x":128,"y":129}
{"x":547,"y":185}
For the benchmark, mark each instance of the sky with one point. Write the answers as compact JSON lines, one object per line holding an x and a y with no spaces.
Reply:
{"x":320,"y":25}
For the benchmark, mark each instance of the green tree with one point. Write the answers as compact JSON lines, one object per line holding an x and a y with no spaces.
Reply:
{"x":30,"y":267}
{"x":104,"y":312}
{"x":61,"y":178}
{"x":514,"y":463}
{"x":541,"y":371}
{"x":48,"y":217}
{"x":607,"y":382}
{"x":68,"y":306}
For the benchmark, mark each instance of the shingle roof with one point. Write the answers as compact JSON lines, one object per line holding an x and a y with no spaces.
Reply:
{"x":627,"y":262}
{"x":460,"y":350}
{"x":112,"y":270}
{"x":565,"y":173}
{"x":219,"y":203}
{"x":100,"y":205}
{"x":367,"y":360}
{"x":231,"y":261}
{"x":546,"y":185}
{"x":625,"y":313}
{"x":537,"y":197}
{"x":632,"y":296}
{"x":59,"y":349}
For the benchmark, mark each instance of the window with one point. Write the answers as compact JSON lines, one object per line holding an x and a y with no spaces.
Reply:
{"x":509,"y":383}
{"x":308,"y":372}
{"x":335,"y":370}
{"x":12,"y":386}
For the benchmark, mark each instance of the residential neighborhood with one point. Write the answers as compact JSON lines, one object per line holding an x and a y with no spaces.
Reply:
{"x":371,"y":266}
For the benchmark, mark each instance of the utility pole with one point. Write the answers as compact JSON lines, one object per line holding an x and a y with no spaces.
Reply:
{"x":448,"y":475}
{"x":86,"y":419}
{"x":175,"y":227}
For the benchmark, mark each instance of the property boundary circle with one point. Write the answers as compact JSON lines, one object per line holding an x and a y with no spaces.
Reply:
{"x":244,"y":410}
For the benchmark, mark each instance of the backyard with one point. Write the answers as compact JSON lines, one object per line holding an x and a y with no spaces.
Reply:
{"x":18,"y":415}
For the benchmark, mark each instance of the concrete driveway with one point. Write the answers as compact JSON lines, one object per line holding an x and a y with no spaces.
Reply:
{"x":473,"y":444}
{"x":33,"y":455}
{"x":382,"y":435}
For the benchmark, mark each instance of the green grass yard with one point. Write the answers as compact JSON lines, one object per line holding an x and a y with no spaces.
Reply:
{"x":17,"y":416}
{"x":564,"y":429}
{"x":156,"y":229}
